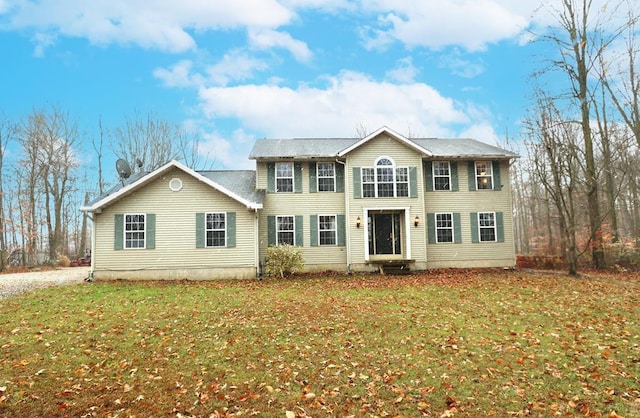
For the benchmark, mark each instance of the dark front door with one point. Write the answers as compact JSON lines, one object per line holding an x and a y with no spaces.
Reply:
{"x":385,"y":236}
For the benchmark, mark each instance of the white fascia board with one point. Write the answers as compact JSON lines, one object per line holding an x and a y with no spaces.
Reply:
{"x":159,"y":171}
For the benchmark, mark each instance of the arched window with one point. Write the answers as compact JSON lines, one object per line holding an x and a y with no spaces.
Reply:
{"x":385,"y":179}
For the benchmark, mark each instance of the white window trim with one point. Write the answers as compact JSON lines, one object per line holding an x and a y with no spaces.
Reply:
{"x":375,"y":183}
{"x":213,"y":230}
{"x":278,"y":229}
{"x":335,"y":231}
{"x":495,"y":227}
{"x":124,"y":231}
{"x":453,"y":227}
{"x":293,"y":175}
{"x":489,"y":174}
{"x":318,"y":176}
{"x":434,"y":175}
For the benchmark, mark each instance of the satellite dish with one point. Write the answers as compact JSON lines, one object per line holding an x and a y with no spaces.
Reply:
{"x":124,"y":171}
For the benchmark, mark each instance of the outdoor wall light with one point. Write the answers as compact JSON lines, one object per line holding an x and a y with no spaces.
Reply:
{"x":416,"y":221}
{"x":358,"y":222}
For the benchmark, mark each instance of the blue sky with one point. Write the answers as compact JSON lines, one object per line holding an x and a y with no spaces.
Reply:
{"x":238,"y":70}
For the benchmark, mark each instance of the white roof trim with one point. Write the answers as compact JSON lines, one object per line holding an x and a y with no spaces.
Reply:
{"x":156,"y":173}
{"x":392,"y":134}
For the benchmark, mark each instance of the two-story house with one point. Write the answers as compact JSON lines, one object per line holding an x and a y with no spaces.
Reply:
{"x":350,"y":204}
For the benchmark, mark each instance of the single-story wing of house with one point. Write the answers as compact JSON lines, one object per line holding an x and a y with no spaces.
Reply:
{"x":349,"y":204}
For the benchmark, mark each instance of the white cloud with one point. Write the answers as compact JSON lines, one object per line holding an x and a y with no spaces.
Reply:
{"x":42,"y":41}
{"x":178,"y":75}
{"x":405,"y":71}
{"x":227,"y":152}
{"x":348,"y":100}
{"x":234,"y":66}
{"x":162,"y":24}
{"x":470,"y":24}
{"x":460,"y":66}
{"x":268,"y":38}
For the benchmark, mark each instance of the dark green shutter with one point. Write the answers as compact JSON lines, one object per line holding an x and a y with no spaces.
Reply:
{"x":313,"y":230}
{"x":271,"y":230}
{"x":454,"y":176}
{"x":428,"y":175}
{"x":231,"y":229}
{"x":499,"y":227}
{"x":413,"y":182}
{"x":313,"y":181}
{"x":341,"y":225}
{"x":118,"y":232}
{"x":297,"y":177}
{"x":472,"y":175}
{"x":271,"y":177}
{"x":150,"y":230}
{"x":457,"y":231}
{"x":200,"y":230}
{"x":357,"y":183}
{"x":497,"y":184}
{"x":431,"y":228}
{"x":339,"y":177}
{"x":299,"y":231}
{"x":474,"y":227}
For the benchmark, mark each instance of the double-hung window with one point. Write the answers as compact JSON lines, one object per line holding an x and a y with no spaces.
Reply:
{"x":444,"y":227}
{"x":385,"y":180}
{"x":327,"y":230}
{"x":441,"y":175}
{"x":326,"y":177}
{"x":285,"y":230}
{"x":134,"y":231}
{"x":487,"y":226}
{"x":215,"y":229}
{"x":484,"y":175}
{"x":284,"y":177}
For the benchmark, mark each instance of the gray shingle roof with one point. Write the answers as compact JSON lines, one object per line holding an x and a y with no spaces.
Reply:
{"x":240,"y":182}
{"x":309,"y":148}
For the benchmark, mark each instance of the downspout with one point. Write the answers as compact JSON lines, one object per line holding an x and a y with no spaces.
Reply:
{"x":256,"y":246}
{"x":93,"y":246}
{"x":347,"y":223}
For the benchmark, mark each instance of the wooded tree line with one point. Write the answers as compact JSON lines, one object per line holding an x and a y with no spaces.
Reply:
{"x":42,"y":185}
{"x":576,"y":187}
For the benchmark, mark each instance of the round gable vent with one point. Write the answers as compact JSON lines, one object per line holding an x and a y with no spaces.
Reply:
{"x":175,"y":184}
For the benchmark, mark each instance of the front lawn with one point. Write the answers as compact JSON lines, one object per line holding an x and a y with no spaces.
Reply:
{"x":446,"y":343}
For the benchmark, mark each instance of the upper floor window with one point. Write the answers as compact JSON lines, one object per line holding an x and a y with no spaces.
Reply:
{"x":284,"y":177}
{"x":215,"y":229}
{"x":441,"y":175}
{"x":326,"y":174}
{"x":385,"y":180}
{"x":484,"y":175}
{"x":134,"y":231}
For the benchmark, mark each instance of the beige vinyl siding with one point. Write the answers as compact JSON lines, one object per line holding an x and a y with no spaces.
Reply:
{"x":304,"y":204}
{"x":403,"y":156}
{"x":464,"y":202}
{"x":175,"y":233}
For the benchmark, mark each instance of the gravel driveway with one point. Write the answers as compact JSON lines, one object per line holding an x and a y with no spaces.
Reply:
{"x":15,"y":283}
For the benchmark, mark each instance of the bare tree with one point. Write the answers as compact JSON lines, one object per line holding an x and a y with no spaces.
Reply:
{"x":581,"y":38}
{"x":48,"y":138}
{"x":7,"y":131}
{"x":555,"y":154}
{"x":146,"y":139}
